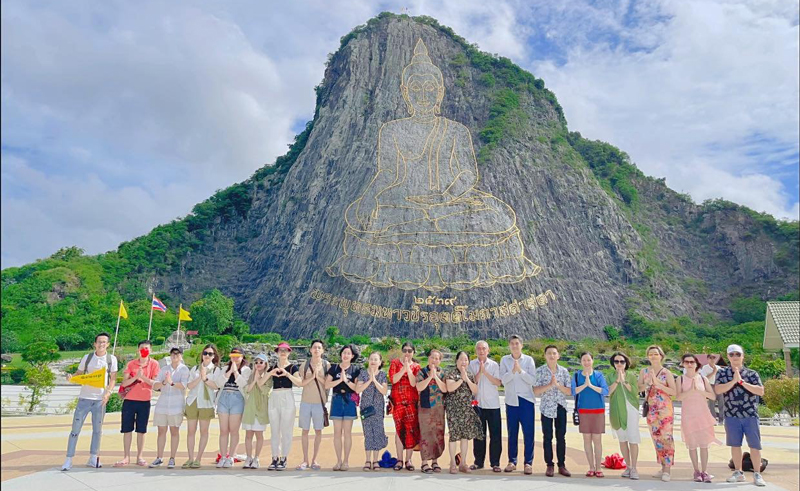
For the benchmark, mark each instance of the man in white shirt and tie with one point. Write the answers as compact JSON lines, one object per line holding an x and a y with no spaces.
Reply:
{"x":516,"y":372}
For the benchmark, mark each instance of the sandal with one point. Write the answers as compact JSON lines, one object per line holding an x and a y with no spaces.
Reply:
{"x":599,"y":474}
{"x":337,"y":467}
{"x":367,"y":466}
{"x":196,"y":464}
{"x":426,"y":469}
{"x":453,"y":469}
{"x":121,"y":463}
{"x":344,"y":467}
{"x":376,"y":466}
{"x":496,"y":468}
{"x":141,"y":463}
{"x":409,"y":467}
{"x":464,"y":468}
{"x":437,"y":468}
{"x":398,"y":466}
{"x":315,"y":466}
{"x":590,"y":473}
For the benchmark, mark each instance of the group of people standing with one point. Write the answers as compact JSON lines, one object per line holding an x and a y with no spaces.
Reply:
{"x":422,"y":402}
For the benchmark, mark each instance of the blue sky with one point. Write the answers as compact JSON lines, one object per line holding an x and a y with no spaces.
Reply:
{"x":118,"y":116}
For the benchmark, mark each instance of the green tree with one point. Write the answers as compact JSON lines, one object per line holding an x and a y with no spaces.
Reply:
{"x":331,"y":333}
{"x":39,"y":378}
{"x":213,"y":314}
{"x":748,"y":309}
{"x":9,"y":341}
{"x":783,"y":394}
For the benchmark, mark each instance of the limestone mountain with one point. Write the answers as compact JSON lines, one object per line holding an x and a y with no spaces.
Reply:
{"x":539,"y":231}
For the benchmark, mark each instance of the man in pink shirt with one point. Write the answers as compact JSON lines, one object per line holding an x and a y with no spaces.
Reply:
{"x":137,"y":390}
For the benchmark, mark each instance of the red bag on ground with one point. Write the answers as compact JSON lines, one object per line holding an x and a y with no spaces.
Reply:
{"x":614,"y":461}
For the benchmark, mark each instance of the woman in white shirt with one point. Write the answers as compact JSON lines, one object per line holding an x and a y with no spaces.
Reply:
{"x":200,"y":403}
{"x":171,"y":381}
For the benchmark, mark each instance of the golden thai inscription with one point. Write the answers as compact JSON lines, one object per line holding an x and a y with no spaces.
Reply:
{"x":459,"y":313}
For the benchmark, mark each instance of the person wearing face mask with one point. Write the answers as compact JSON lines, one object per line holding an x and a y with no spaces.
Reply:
{"x":230,"y":405}
{"x":281,"y":407}
{"x":168,"y":414}
{"x":137,"y":390}
{"x":404,"y":399}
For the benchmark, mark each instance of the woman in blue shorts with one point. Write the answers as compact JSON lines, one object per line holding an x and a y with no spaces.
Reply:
{"x":342,"y":379}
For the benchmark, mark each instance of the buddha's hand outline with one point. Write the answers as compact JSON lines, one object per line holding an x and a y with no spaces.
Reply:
{"x":430,"y":199}
{"x":365,"y":214}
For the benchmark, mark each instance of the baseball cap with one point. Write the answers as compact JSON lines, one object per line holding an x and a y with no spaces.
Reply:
{"x":734,"y":348}
{"x":176,"y":349}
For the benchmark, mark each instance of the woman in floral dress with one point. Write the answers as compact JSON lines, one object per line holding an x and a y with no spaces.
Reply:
{"x":462,"y":420}
{"x":659,"y":387}
{"x":372,"y":387}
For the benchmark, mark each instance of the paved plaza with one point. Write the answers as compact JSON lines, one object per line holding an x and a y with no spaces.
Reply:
{"x":33,"y":449}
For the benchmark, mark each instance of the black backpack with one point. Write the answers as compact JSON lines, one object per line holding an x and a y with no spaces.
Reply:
{"x":747,"y":463}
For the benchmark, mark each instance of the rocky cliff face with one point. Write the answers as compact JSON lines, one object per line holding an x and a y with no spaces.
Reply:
{"x":597,"y":258}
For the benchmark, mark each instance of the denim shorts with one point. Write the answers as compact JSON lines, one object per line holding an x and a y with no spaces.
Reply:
{"x":736,"y":429}
{"x":230,"y":402}
{"x":342,"y":407}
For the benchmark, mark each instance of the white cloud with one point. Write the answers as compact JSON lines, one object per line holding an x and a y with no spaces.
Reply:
{"x":118,"y":116}
{"x":711,"y":104}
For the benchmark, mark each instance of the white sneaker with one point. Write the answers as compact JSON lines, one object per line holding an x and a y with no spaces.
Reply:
{"x":94,"y":461}
{"x":737,"y":476}
{"x":758,"y":480}
{"x":228,"y":463}
{"x":67,"y":464}
{"x":634,"y":475}
{"x":666,"y":477}
{"x":221,"y":462}
{"x":254,"y":463}
{"x":626,"y":472}
{"x":247,"y":463}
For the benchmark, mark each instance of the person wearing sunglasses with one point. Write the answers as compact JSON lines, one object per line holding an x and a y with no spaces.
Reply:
{"x":200,"y":403}
{"x":256,"y":410}
{"x":404,"y":401}
{"x":232,"y":382}
{"x":281,"y":407}
{"x":697,"y":422}
{"x":624,"y":416}
{"x":742,"y":388}
{"x":709,"y":371}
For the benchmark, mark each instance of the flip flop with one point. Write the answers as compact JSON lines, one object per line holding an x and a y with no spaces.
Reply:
{"x":141,"y":462}
{"x":120,"y":463}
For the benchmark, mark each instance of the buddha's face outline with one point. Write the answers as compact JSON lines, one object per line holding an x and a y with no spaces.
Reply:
{"x":423,"y":94}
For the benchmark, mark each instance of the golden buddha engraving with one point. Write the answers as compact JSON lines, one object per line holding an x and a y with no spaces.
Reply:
{"x":421,"y":222}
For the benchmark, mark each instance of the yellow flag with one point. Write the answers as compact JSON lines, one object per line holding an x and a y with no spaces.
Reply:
{"x":184,"y":315}
{"x":96,"y":379}
{"x":122,"y":312}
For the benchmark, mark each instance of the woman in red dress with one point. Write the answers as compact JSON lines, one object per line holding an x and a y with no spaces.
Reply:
{"x":403,"y":374}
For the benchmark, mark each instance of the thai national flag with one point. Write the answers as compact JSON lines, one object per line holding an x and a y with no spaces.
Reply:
{"x":157,"y":305}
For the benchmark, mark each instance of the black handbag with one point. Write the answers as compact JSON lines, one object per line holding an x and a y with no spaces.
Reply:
{"x":576,"y":417}
{"x":367,"y":412}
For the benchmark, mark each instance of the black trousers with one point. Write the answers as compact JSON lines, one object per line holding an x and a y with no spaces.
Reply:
{"x":560,"y":423}
{"x":490,"y":418}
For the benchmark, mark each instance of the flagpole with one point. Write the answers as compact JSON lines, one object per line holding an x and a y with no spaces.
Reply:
{"x":119,"y":311}
{"x":179,"y":317}
{"x":151,"y":317}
